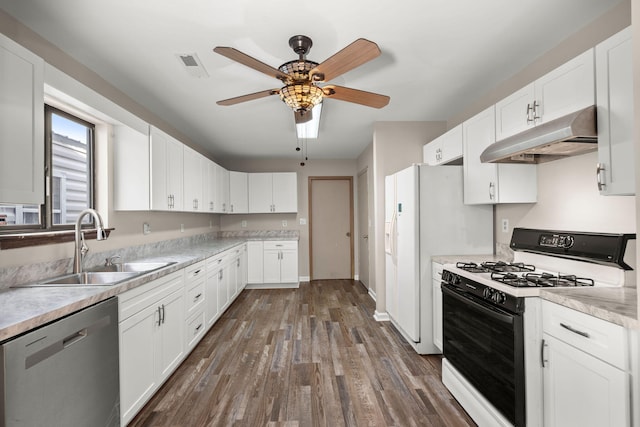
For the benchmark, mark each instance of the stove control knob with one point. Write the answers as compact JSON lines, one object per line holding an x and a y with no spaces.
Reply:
{"x":487,"y":293}
{"x":498,"y":297}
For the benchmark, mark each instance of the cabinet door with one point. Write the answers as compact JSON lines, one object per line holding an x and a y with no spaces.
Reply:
{"x":212,"y":310}
{"x":451,"y":145}
{"x":431,"y":152}
{"x":255,"y":254}
{"x":193,"y":180}
{"x":171,"y":334}
{"x":437,"y":314}
{"x":223,"y":288}
{"x":580,"y":390}
{"x":288,"y":266}
{"x":480,"y":179}
{"x":131,"y":173}
{"x":222,"y":189}
{"x":138,"y":379}
{"x":566,"y":89}
{"x":211,"y":185}
{"x":514,"y":114}
{"x":271,"y":266}
{"x":175,"y":171}
{"x":160,"y":198}
{"x":285,"y":192}
{"x":260,"y":196}
{"x":21,"y":125}
{"x":238,"y":192}
{"x":614,"y":86}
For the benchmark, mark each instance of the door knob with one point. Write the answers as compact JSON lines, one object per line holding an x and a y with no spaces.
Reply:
{"x":348,"y":234}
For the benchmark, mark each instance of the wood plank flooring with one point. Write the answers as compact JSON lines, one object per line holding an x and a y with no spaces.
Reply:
{"x":312,"y":356}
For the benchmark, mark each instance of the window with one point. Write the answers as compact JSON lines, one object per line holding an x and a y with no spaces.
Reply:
{"x":69,"y":143}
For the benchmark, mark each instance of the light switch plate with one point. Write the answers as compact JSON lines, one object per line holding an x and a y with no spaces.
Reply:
{"x":146,"y":228}
{"x":303,"y":221}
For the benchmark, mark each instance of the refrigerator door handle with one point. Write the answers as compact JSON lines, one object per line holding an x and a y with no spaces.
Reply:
{"x":393,"y":237}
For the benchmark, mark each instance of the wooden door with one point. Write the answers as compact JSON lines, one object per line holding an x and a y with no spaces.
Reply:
{"x":363,"y":227}
{"x":331,"y":225}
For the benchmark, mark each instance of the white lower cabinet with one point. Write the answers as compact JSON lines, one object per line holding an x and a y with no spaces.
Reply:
{"x":280,"y":262}
{"x":586,"y":370}
{"x":194,"y":291}
{"x":151,"y":329}
{"x":436,"y":271}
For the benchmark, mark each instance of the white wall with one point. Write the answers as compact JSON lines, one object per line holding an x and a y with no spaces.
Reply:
{"x":568,"y":199}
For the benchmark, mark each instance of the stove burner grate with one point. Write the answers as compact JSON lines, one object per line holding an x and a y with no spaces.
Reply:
{"x":546,"y":280}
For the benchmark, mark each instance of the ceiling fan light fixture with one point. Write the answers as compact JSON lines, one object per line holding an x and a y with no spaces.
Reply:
{"x":301,"y":96}
{"x":298,"y":69}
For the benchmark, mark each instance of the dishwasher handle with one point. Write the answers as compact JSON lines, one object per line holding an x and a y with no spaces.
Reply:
{"x":74,"y":338}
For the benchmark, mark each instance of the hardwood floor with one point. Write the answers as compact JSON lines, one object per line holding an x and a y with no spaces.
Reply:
{"x":312,"y":356}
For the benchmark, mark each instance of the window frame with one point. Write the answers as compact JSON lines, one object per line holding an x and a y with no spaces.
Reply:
{"x":46,"y":225}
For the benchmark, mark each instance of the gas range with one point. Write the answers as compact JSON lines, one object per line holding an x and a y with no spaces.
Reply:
{"x":546,"y":259}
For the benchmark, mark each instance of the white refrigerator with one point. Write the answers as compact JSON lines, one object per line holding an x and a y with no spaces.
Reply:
{"x":425,"y":216}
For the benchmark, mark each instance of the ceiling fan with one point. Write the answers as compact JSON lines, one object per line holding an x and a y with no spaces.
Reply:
{"x":301,"y":77}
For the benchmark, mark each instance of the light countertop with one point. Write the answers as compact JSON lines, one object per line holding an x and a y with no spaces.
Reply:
{"x":26,"y":308}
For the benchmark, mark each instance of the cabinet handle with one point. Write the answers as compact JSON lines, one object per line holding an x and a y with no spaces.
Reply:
{"x":195,"y":273}
{"x":210,"y":206}
{"x":532,"y":113}
{"x":575,"y":331}
{"x":542,"y":359}
{"x":492,"y":191}
{"x":220,"y":275}
{"x":231,"y":207}
{"x":600,"y":176}
{"x":163,"y":313}
{"x":198,"y":327}
{"x":159,"y":317}
{"x":197,"y":297}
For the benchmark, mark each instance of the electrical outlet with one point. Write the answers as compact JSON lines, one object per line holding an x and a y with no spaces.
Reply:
{"x":146,"y":228}
{"x":284,"y":222}
{"x":243,"y":224}
{"x":505,"y":225}
{"x":210,"y":224}
{"x":182,"y":228}
{"x":303,"y":221}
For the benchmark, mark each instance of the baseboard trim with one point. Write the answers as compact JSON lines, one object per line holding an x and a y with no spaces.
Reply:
{"x":304,"y":279}
{"x":273,"y":286}
{"x":381,"y":317}
{"x":372,"y":294}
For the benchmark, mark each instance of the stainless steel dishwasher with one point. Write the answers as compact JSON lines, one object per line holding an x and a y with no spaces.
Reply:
{"x":64,"y":373}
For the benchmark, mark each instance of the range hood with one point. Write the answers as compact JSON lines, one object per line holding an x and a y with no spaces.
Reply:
{"x":573,"y":134}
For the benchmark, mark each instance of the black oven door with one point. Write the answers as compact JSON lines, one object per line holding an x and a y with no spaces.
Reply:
{"x":485,"y":344}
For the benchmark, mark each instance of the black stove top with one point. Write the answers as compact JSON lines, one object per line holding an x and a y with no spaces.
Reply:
{"x":545,"y":280}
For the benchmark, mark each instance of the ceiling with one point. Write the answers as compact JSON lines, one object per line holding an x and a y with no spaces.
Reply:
{"x":438,"y":56}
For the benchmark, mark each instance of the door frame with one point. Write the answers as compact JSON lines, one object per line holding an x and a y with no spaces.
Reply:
{"x":310,"y":191}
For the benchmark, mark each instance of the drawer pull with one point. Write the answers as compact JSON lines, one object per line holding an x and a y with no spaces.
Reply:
{"x":195,"y":273}
{"x":575,"y":331}
{"x":198,"y":327}
{"x":197,"y":297}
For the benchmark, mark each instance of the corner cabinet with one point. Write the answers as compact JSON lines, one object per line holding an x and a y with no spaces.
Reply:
{"x":586,"y":370}
{"x":273,"y":192}
{"x":488,"y":183}
{"x":614,"y":87}
{"x":166,"y":171}
{"x":562,"y":91}
{"x":21,"y":125}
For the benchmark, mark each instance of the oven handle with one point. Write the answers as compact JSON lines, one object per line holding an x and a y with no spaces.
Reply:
{"x":489,"y":311}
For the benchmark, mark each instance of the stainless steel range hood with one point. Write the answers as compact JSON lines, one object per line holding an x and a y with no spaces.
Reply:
{"x":573,"y":134}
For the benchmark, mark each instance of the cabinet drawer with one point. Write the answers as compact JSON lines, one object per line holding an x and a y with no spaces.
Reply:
{"x":195,"y":295}
{"x":139,"y":298}
{"x":436,"y":270}
{"x":602,"y":339}
{"x":194,"y":271}
{"x":280,"y":244}
{"x":196,"y":328}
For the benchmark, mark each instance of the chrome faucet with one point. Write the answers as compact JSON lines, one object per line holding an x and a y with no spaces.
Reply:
{"x":80,"y":246}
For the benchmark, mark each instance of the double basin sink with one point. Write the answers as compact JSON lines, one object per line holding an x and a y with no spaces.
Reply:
{"x":103,"y":276}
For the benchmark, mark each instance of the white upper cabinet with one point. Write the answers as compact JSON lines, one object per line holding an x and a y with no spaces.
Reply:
{"x":273,"y":192}
{"x":221,"y":204}
{"x":210,"y":186}
{"x":614,"y":86}
{"x":166,"y":171}
{"x":21,"y":125}
{"x":195,"y":174}
{"x":445,"y":149}
{"x":564,"y":90}
{"x":238,"y":192}
{"x":487,"y":183}
{"x":130,"y":169}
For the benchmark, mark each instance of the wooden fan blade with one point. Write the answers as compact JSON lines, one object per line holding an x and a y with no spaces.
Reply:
{"x":352,"y":56}
{"x":251,"y":62}
{"x":354,"y":95}
{"x":302,"y":116}
{"x":249,"y":97}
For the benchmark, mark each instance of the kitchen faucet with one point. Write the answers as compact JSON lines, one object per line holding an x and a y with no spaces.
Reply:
{"x":80,"y":246}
